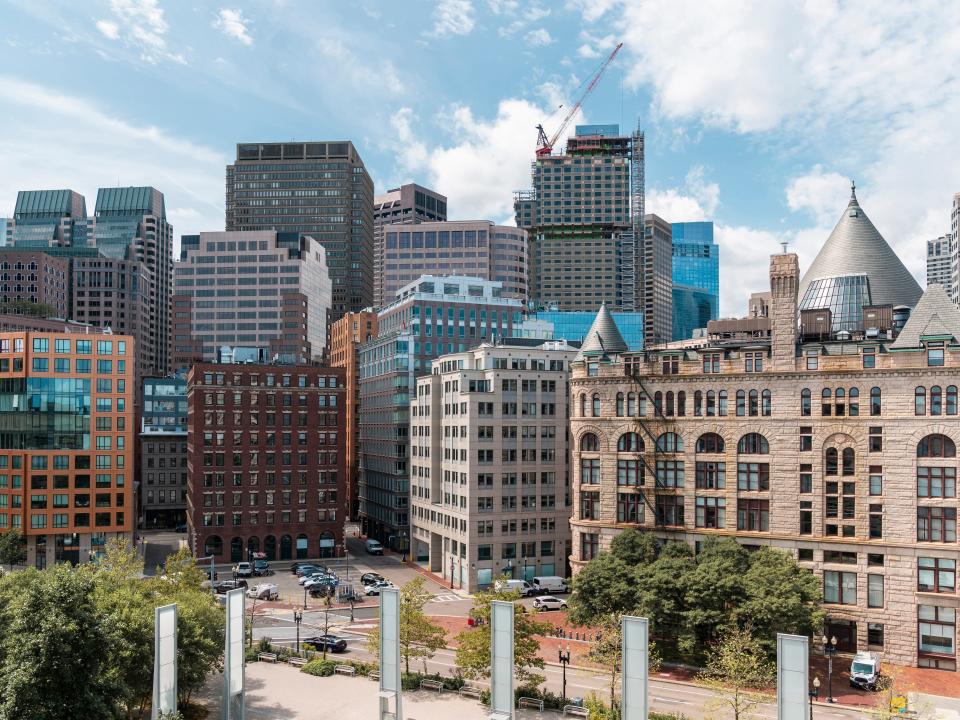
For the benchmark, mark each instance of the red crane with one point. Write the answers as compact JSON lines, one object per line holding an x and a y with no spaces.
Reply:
{"x":545,"y":144}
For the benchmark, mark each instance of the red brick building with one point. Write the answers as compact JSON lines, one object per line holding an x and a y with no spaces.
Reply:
{"x":266,"y":461}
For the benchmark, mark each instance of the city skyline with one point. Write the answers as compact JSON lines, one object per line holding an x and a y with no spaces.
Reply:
{"x":765,"y":165}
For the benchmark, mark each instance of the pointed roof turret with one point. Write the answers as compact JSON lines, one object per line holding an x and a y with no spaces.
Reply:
{"x":603,"y":337}
{"x":856,"y":267}
{"x":934,"y":317}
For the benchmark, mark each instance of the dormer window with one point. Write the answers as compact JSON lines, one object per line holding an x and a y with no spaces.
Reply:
{"x":935,"y":354}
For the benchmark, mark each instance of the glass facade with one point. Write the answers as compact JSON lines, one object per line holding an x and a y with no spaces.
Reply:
{"x":43,"y":413}
{"x":164,"y":405}
{"x":574,"y":326}
{"x":696,"y":267}
{"x":845,"y":296}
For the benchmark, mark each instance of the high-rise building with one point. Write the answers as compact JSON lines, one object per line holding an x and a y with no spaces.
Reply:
{"x":696,"y":265}
{"x":838,"y":447}
{"x":692,"y":310}
{"x":3,"y":231}
{"x":585,"y":219}
{"x":573,"y":326}
{"x":346,"y":336}
{"x":474,"y":248}
{"x":406,"y":205}
{"x":432,"y":316}
{"x":265,"y":461}
{"x":124,"y":278}
{"x":67,"y":449}
{"x":940,"y":263}
{"x":321,"y":189}
{"x":33,"y":282}
{"x":163,"y":453}
{"x":489,"y":477}
{"x":955,"y":245}
{"x":263,"y":289}
{"x":656,"y":261}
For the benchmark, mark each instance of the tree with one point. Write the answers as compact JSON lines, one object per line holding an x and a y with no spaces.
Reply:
{"x":12,"y":548}
{"x":737,"y":670}
{"x":473,"y":645}
{"x":714,"y":587}
{"x":608,"y":651}
{"x":605,"y":585}
{"x":52,"y":647}
{"x":420,"y":637}
{"x":661,"y":592}
{"x":634,"y":547}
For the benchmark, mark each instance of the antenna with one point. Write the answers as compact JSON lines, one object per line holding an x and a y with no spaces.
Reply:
{"x":784,"y":246}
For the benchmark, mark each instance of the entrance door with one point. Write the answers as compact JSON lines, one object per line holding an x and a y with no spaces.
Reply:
{"x":286,"y":547}
{"x":236,"y":550}
{"x":846,"y":633}
{"x":270,"y":547}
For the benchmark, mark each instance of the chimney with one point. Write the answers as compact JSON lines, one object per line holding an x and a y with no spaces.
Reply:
{"x":784,"y":282}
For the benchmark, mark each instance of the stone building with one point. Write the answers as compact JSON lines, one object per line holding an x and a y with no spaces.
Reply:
{"x":839,"y":448}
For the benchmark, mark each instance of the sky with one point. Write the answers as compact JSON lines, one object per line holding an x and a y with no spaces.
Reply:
{"x":757,"y":114}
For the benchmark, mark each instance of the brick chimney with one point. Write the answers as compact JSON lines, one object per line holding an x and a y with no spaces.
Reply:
{"x":784,"y":281}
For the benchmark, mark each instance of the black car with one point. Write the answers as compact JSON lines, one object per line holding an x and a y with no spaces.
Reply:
{"x":370,"y":578}
{"x":305,"y":569}
{"x":320,"y":590}
{"x":331,"y":642}
{"x":260,"y":567}
{"x":225,"y":586}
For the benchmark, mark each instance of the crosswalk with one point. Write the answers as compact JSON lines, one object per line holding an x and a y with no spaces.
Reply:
{"x":445,"y":598}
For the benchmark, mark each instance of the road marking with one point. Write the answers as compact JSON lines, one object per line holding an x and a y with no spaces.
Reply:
{"x":445,"y":598}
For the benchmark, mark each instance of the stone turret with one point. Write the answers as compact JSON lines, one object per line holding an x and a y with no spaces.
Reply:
{"x":784,"y":283}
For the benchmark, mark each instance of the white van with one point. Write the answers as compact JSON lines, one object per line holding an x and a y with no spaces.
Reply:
{"x":549,"y":584}
{"x":373,"y":547}
{"x":521,"y":586}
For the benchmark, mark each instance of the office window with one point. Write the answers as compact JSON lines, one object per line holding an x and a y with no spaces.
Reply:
{"x":937,"y":575}
{"x":711,"y":512}
{"x":936,"y":524}
{"x":753,"y":515}
{"x":875,"y":591}
{"x":840,"y":587}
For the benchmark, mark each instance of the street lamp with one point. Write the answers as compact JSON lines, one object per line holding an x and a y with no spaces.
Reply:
{"x":814,"y":694}
{"x":304,"y":597}
{"x":829,"y":649}
{"x":298,"y":618}
{"x":564,"y":661}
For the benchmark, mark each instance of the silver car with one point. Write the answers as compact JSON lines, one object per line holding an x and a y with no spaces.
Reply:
{"x":549,"y":602}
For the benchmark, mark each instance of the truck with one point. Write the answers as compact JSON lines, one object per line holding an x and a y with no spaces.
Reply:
{"x":865,"y":670}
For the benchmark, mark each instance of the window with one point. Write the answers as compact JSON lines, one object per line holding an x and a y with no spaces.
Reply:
{"x":875,"y":439}
{"x":826,"y":405}
{"x":753,"y":444}
{"x":875,"y":591}
{"x":711,"y":512}
{"x":589,"y":505}
{"x":876,"y":521}
{"x":853,"y":405}
{"x":590,"y":471}
{"x":920,"y":401}
{"x":840,"y":587}
{"x":935,"y":354}
{"x":951,"y":399}
{"x":876,"y":480}
{"x":875,"y":401}
{"x":875,"y":636}
{"x":806,"y":518}
{"x":937,"y":635}
{"x":596,"y":405}
{"x":936,"y":446}
{"x":753,"y":362}
{"x":754,"y":405}
{"x":589,"y":443}
{"x":869,"y":358}
{"x":670,"y":473}
{"x":830,"y":464}
{"x":753,"y":476}
{"x":630,"y":442}
{"x":805,"y":402}
{"x":741,"y":403}
{"x":619,"y":404}
{"x":849,"y":461}
{"x":937,"y":575}
{"x":753,"y":515}
{"x":936,"y":400}
{"x":806,"y":478}
{"x":936,"y":482}
{"x":711,"y":475}
{"x":935,"y":524}
{"x":806,"y":438}
{"x":670,"y":509}
{"x":812,"y":358}
{"x":589,"y":545}
{"x":670,"y":443}
{"x":629,"y":472}
{"x":710,"y":443}
{"x":629,"y":507}
{"x":711,"y":363}
{"x":765,"y":403}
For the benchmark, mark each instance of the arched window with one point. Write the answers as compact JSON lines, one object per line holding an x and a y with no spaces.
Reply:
{"x":213,"y":546}
{"x":583,"y":404}
{"x":839,"y":405}
{"x":854,"y":403}
{"x":658,"y":403}
{"x":631,"y":404}
{"x":936,"y":400}
{"x":253,"y":545}
{"x":236,"y":550}
{"x":619,"y":404}
{"x":875,"y":403}
{"x":936,"y":446}
{"x":722,"y":403}
{"x":951,"y":399}
{"x":753,"y":444}
{"x":670,"y":442}
{"x":589,"y":443}
{"x":849,"y":461}
{"x":765,"y":403}
{"x":270,"y":547}
{"x":681,"y":403}
{"x":831,"y":459}
{"x":920,"y":401}
{"x":805,"y":402}
{"x":596,"y":405}
{"x":741,"y":403}
{"x":825,"y":405}
{"x":669,"y":411}
{"x":697,"y":403}
{"x":711,"y":403}
{"x":303,"y":547}
{"x":286,"y":547}
{"x":754,"y":403}
{"x":710,"y":443}
{"x":630,"y":442}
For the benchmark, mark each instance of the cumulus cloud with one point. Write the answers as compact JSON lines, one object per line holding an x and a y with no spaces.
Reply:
{"x":538,"y":38}
{"x":233,"y":24}
{"x":818,"y":192}
{"x":108,"y":29}
{"x":141,"y":26}
{"x":453,"y":17}
{"x":696,"y":200}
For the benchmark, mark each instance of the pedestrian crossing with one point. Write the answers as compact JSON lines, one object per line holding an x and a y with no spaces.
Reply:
{"x":445,"y":598}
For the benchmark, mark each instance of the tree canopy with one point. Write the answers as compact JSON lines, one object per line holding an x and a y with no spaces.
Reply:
{"x":420,"y":637}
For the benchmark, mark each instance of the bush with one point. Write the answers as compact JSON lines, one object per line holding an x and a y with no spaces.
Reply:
{"x":319,"y":667}
{"x":551,"y":701}
{"x":412,"y":681}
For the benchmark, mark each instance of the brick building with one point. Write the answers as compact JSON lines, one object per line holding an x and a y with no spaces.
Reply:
{"x":32,"y":277}
{"x":838,"y":446}
{"x":266,"y":461}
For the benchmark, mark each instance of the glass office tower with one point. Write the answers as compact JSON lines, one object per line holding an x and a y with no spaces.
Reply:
{"x":696,"y":266}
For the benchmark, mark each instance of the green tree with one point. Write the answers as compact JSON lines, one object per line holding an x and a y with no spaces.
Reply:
{"x":473,"y":645}
{"x":661,"y":591}
{"x":605,"y":585}
{"x":608,"y":651}
{"x":12,"y":549}
{"x":634,"y":547}
{"x":52,"y":650}
{"x":737,"y":671}
{"x":420,"y":637}
{"x":714,"y":587}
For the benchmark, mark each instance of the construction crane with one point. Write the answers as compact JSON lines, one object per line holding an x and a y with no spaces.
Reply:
{"x":545,"y":144}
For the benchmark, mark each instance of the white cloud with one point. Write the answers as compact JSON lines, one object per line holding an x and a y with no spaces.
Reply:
{"x":233,"y":24}
{"x":819,"y":193}
{"x":744,"y":264}
{"x":587,"y":51}
{"x":381,"y":76}
{"x":698,"y":199}
{"x":452,"y":17}
{"x":140,"y":25}
{"x":532,"y":12}
{"x":538,"y":38}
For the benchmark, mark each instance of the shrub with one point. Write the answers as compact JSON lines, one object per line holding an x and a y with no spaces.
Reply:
{"x":412,"y":681}
{"x":319,"y":667}
{"x":551,"y":701}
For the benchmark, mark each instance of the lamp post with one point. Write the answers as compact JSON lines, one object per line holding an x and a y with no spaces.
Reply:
{"x":814,"y":694}
{"x":298,"y":618}
{"x":451,"y":572}
{"x":564,"y":661}
{"x":829,"y":649}
{"x":304,"y":597}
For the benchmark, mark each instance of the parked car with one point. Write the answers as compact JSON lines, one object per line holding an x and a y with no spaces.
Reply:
{"x":333,"y":643}
{"x":224,"y":586}
{"x":326,"y":580}
{"x":322,"y":590}
{"x":374,"y":547}
{"x":549,"y":584}
{"x":307,"y":570}
{"x":371,"y":577}
{"x":865,"y":670}
{"x":294,"y":566}
{"x":243,"y":569}
{"x":261,"y":567}
{"x":549,"y":602}
{"x":375,"y":589}
{"x":302,"y":580}
{"x":264,"y":591}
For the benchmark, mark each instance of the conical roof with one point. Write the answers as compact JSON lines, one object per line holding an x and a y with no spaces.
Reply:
{"x":856,"y":247}
{"x":934,"y":316}
{"x":603,"y":337}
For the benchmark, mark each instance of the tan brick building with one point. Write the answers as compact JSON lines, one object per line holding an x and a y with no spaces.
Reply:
{"x":840,"y":449}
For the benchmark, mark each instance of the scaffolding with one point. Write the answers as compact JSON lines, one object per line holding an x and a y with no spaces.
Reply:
{"x":631,"y":242}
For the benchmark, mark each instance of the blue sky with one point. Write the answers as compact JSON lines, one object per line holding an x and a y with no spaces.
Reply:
{"x":756,"y":113}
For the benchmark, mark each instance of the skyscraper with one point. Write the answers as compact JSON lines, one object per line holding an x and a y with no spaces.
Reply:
{"x":321,"y":189}
{"x":405,"y":205}
{"x":940,"y":263}
{"x":696,"y":267}
{"x":584,"y":214}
